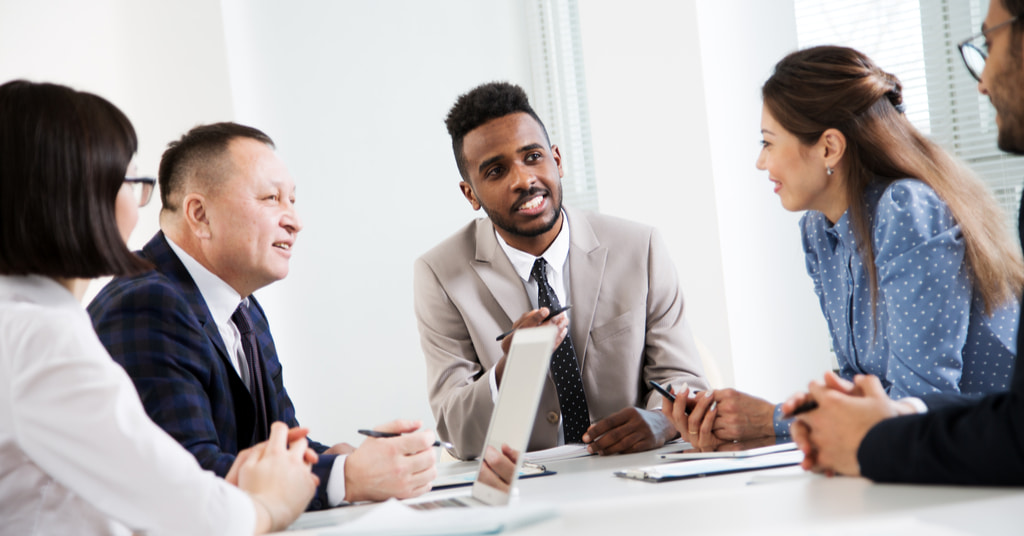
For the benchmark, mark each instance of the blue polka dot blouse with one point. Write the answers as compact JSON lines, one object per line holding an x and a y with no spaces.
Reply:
{"x":931,"y":333}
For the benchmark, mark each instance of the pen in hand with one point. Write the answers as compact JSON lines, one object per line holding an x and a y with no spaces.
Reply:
{"x":807,"y":405}
{"x":374,"y":433}
{"x":551,"y":315}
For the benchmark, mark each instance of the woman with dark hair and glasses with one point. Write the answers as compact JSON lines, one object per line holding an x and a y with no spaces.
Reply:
{"x":78,"y":454}
{"x":910,"y":257}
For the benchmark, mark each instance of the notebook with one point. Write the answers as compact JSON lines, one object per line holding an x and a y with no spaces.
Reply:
{"x":512,"y":419}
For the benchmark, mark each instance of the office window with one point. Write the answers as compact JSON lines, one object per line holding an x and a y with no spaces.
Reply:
{"x":559,"y":93}
{"x":916,"y":41}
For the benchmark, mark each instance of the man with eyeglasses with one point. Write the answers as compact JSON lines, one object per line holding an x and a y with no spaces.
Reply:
{"x":856,"y":429}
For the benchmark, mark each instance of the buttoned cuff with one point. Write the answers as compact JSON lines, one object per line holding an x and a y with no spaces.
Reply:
{"x":918,"y":404}
{"x":780,"y":424}
{"x":492,"y":380}
{"x":336,"y":484}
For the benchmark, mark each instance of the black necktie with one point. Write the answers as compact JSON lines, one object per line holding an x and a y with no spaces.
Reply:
{"x":564,"y":367}
{"x":251,"y":349}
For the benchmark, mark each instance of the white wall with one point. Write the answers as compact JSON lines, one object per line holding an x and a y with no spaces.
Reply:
{"x":355,"y":94}
{"x":133,"y":54}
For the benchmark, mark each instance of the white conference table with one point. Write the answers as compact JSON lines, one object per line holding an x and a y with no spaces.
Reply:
{"x":590,"y":499}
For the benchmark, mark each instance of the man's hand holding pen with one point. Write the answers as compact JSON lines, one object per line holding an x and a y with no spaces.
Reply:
{"x":401,"y":466}
{"x":534,"y":318}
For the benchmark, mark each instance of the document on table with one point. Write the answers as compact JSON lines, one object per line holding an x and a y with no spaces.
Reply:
{"x":554,"y":454}
{"x":528,"y":470}
{"x":695,"y":468}
{"x":394,"y":518}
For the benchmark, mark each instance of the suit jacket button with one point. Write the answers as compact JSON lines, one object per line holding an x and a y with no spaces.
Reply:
{"x":552,"y":417}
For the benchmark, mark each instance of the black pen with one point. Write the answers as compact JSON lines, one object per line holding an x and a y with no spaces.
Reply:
{"x":664,"y":392}
{"x":808,"y":405}
{"x":551,"y":315}
{"x":374,"y":433}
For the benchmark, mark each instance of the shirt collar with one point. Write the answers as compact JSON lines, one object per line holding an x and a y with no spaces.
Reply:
{"x":555,"y":255}
{"x":842,"y":231}
{"x":220,"y":298}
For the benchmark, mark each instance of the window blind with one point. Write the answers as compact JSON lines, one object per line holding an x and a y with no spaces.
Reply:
{"x":916,"y":40}
{"x":559,"y":93}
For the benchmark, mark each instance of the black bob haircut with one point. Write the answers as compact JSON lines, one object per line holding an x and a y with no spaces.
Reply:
{"x":193,"y":152}
{"x":480,"y":105}
{"x":63,"y":158}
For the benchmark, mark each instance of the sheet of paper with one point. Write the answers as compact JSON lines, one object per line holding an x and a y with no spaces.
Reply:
{"x":554,"y":454}
{"x":393,"y":517}
{"x":687,"y":469}
{"x":468,"y":477}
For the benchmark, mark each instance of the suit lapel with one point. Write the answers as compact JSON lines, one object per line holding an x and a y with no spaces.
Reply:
{"x":497,"y":274}
{"x":161,"y":254}
{"x":587,"y":259}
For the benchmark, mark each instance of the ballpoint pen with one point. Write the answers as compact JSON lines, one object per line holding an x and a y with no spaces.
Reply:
{"x":375,"y":433}
{"x":808,"y":405}
{"x":551,"y":315}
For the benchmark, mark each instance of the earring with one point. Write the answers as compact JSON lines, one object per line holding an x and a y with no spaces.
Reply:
{"x":828,"y":170}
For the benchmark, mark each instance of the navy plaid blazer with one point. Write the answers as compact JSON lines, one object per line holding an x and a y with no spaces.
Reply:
{"x":158,"y":327}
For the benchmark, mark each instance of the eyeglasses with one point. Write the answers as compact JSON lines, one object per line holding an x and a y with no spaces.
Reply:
{"x":142,"y":188}
{"x":974,"y":57}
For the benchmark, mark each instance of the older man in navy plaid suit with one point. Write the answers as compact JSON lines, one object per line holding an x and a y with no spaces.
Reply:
{"x":184,"y":331}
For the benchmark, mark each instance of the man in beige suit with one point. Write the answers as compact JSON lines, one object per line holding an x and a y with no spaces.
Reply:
{"x":626,"y":325}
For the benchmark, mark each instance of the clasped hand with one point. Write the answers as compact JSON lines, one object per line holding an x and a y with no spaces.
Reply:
{"x":830,"y":435}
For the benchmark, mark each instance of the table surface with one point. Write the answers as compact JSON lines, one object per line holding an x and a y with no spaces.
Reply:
{"x":589,"y":498}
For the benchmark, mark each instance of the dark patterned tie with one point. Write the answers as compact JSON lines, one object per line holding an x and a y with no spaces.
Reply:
{"x":251,"y":349}
{"x":564,"y":367}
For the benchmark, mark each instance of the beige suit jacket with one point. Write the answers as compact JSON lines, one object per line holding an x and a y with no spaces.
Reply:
{"x":626,"y":323}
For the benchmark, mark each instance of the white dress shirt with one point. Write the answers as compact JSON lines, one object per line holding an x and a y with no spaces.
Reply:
{"x":557,"y":257}
{"x":78,"y":454}
{"x":222,"y":300}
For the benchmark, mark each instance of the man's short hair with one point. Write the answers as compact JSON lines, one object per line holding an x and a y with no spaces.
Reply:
{"x":480,"y":105}
{"x":63,"y":158}
{"x":194,"y":155}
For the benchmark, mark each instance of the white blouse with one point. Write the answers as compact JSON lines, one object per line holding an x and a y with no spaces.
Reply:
{"x":78,"y":454}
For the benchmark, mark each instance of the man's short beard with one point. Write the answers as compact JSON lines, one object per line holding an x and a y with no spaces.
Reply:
{"x":528,"y":233}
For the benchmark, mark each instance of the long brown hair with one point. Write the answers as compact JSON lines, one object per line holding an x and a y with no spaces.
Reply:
{"x":825,"y":87}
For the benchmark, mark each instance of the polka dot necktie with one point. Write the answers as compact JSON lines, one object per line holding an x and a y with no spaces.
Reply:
{"x":251,"y":349}
{"x":564,"y":367}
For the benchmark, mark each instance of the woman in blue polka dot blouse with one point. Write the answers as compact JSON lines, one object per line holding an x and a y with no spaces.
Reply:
{"x":916,"y":272}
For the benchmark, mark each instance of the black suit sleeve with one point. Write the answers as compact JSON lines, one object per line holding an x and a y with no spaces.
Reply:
{"x":979,"y":444}
{"x":959,"y":441}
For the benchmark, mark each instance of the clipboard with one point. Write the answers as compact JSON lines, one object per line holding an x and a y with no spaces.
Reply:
{"x":716,"y":466}
{"x":528,"y":470}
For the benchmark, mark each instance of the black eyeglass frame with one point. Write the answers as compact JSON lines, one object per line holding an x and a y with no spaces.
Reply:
{"x":966,"y":43}
{"x":148,"y":185}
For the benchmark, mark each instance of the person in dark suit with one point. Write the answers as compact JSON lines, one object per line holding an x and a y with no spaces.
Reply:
{"x":856,"y":429}
{"x":197,"y":344}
